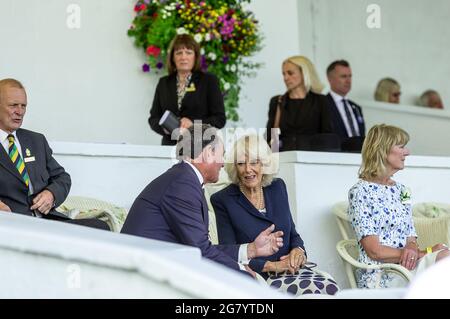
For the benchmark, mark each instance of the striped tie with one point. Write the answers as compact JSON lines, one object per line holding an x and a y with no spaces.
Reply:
{"x":17,"y":160}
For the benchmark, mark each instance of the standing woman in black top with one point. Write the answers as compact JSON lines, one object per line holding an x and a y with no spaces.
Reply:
{"x":187,"y":92}
{"x":302,"y":111}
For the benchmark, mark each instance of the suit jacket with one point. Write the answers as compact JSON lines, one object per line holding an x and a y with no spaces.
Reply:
{"x":298,"y":123}
{"x":44,"y":172}
{"x":338,"y":123}
{"x":239,"y":222}
{"x":205,"y":103}
{"x":173,"y":208}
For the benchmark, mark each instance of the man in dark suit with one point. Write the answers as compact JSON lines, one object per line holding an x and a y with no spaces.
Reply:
{"x":347,"y":117}
{"x":31,"y":180}
{"x":173,"y":208}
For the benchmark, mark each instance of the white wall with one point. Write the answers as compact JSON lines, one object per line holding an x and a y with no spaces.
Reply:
{"x":49,"y":259}
{"x":429,"y":129}
{"x":83,"y":84}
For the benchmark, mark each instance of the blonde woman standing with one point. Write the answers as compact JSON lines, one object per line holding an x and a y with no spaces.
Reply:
{"x":302,"y":111}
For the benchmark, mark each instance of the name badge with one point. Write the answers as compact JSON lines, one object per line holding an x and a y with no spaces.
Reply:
{"x":29,"y":159}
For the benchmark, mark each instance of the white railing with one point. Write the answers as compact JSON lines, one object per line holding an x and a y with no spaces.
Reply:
{"x":48,"y":259}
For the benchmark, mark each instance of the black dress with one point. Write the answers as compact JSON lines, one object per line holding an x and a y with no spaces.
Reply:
{"x":300,"y":120}
{"x":204,"y":102}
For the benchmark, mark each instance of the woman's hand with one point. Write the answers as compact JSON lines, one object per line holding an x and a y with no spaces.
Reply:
{"x":409,"y":256}
{"x":296,"y":259}
{"x":185,"y":122}
{"x":276,"y":266}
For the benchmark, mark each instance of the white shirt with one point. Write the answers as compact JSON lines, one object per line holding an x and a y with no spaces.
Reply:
{"x":340,"y":106}
{"x":5,"y":144}
{"x":243,"y":257}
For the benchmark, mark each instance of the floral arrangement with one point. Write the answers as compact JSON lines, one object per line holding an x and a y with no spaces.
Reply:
{"x":226,"y":32}
{"x":405,"y":196}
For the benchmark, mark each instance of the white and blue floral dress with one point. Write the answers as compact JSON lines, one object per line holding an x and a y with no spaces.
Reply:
{"x":379,"y":210}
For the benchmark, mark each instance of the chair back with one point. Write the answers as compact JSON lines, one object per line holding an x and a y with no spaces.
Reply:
{"x":432,"y":223}
{"x":210,"y":189}
{"x":340,"y":211}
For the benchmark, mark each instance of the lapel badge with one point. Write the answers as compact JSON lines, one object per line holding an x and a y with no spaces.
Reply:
{"x":191,"y":88}
{"x":27,"y":152}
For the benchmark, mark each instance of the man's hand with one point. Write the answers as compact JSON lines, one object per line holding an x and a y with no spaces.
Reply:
{"x":43,"y":202}
{"x":4,"y":207}
{"x":296,"y":259}
{"x":266,"y":244}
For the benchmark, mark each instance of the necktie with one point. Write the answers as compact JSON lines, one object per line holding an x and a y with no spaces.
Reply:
{"x":349,"y":118}
{"x":17,"y":160}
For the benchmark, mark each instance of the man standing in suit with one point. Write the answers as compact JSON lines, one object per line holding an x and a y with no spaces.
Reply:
{"x":347,"y":117}
{"x":31,"y":181}
{"x":173,"y":207}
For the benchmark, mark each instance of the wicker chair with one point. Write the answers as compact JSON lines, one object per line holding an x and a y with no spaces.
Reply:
{"x":432,"y":222}
{"x":349,"y":252}
{"x":348,"y":249}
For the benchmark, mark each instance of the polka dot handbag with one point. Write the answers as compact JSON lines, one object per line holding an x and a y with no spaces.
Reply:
{"x":308,"y":280}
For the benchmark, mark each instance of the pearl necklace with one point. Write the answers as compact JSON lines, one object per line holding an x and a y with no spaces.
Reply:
{"x":260,"y":205}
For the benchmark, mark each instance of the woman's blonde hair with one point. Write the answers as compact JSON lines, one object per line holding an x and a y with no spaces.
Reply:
{"x":384,"y":88}
{"x":255,"y":148}
{"x":377,"y":145}
{"x":310,"y":78}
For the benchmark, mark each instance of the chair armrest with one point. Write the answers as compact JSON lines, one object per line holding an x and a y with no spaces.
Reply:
{"x":389,"y":267}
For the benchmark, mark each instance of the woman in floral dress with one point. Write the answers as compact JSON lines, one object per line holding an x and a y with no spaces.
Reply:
{"x":380,"y":211}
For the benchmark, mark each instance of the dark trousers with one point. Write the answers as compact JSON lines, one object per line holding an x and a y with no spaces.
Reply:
{"x":88,"y":222}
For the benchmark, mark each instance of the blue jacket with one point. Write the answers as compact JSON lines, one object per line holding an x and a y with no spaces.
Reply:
{"x":239,"y":222}
{"x":173,"y":208}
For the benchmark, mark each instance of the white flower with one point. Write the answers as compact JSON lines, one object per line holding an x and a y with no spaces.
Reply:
{"x":207,"y":37}
{"x":227,"y":67}
{"x":181,"y":31}
{"x":233,"y":68}
{"x":202,"y":51}
{"x":198,"y":38}
{"x":170,"y":7}
{"x":405,"y":196}
{"x":212,"y":56}
{"x":226,"y":86}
